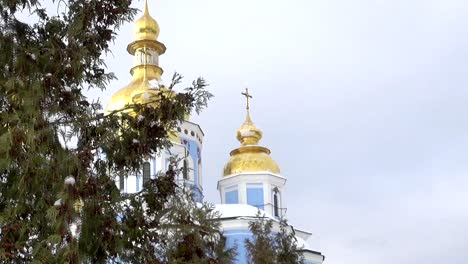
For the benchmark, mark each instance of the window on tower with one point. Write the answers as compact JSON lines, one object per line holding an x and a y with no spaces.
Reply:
{"x":121,"y":182}
{"x":276,"y":204}
{"x":185,"y":170}
{"x":255,"y":195}
{"x":232,"y":197}
{"x":146,"y":172}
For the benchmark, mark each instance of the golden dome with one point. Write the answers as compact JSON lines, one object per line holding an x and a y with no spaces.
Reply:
{"x":145,"y":70}
{"x":139,"y":92}
{"x":137,"y":87}
{"x":250,"y":157}
{"x":146,"y":28}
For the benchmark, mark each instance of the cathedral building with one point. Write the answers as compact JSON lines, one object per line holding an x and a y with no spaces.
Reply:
{"x":251,"y":181}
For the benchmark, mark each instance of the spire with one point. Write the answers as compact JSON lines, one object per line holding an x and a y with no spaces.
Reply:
{"x":248,"y":133}
{"x":146,"y":12}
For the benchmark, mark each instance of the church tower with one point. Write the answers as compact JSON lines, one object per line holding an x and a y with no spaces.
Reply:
{"x":146,"y":82}
{"x":251,"y":176}
{"x":252,"y":184}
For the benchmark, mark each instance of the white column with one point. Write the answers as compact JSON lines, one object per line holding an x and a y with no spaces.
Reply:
{"x":242,"y":193}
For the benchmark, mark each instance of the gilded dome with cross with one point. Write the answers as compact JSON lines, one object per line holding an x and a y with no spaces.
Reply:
{"x":250,"y":157}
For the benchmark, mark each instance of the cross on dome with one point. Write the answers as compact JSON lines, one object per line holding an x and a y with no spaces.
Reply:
{"x":248,"y":133}
{"x":247,"y":97}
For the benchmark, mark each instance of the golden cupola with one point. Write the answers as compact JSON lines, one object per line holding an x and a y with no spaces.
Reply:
{"x":250,"y":157}
{"x":146,"y":73}
{"x":146,"y":27}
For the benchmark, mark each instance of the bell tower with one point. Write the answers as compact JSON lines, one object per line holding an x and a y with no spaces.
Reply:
{"x":187,"y":139}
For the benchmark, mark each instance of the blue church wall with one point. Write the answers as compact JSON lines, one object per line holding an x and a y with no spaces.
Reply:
{"x":197,"y":194}
{"x":236,"y":238}
{"x":232,"y":197}
{"x":255,"y":197}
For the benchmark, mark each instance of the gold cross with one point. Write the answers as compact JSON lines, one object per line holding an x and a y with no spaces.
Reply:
{"x":247,"y":96}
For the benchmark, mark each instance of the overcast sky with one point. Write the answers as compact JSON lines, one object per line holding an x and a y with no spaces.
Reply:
{"x":363,"y":104}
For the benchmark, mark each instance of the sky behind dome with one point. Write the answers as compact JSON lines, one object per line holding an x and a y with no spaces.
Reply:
{"x":363,"y":104}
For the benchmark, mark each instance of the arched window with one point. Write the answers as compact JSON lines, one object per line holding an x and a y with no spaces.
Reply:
{"x":146,"y":172}
{"x":185,"y":170}
{"x":276,"y":202}
{"x":121,"y":182}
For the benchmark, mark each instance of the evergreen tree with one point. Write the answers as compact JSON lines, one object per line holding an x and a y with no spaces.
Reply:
{"x":58,"y":201}
{"x":268,"y":246}
{"x":288,"y":251}
{"x":194,"y":235}
{"x":183,"y":231}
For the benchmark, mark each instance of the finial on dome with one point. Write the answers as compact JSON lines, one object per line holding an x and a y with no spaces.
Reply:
{"x":248,"y":133}
{"x":146,"y":12}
